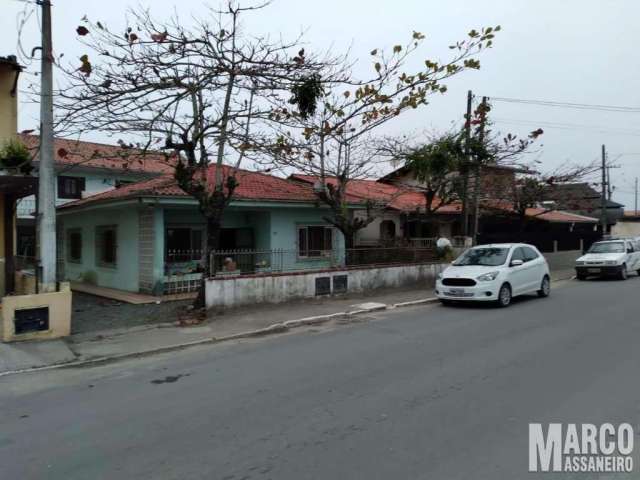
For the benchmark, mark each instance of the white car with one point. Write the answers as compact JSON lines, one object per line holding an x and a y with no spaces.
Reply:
{"x":608,"y":258}
{"x":495,"y":273}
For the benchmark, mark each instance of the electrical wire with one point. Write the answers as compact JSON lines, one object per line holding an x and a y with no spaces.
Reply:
{"x":578,"y":106}
{"x":568,"y":126}
{"x":21,"y":20}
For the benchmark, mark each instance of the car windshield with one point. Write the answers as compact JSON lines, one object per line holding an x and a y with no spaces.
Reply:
{"x":609,"y":247}
{"x":489,"y":257}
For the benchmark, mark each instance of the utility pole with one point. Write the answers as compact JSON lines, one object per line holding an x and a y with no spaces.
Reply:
{"x":478,"y":173}
{"x":467,"y":165}
{"x":636,"y":205}
{"x":609,"y":188}
{"x":46,"y":177}
{"x":603,"y":193}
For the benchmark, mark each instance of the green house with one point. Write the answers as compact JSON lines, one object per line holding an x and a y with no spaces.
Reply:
{"x":149,"y":236}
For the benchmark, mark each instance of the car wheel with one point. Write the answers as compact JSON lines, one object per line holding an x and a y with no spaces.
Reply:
{"x":638,"y":271}
{"x":622,"y":275}
{"x":581,"y":276}
{"x":545,"y":287}
{"x":504,"y":296}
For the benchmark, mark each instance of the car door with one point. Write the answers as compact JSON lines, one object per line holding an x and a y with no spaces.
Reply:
{"x":535,"y":268}
{"x":518,"y":273}
{"x":633,"y":256}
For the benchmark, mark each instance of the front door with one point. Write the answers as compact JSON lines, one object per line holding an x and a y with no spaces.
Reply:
{"x":237,"y":244}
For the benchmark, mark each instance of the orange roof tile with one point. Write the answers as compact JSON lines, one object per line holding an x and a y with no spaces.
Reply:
{"x":251,"y":186}
{"x":399,"y":198}
{"x":100,"y":155}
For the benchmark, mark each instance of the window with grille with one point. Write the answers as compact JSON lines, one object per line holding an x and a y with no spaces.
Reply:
{"x":107,"y":245}
{"x":183,"y":244}
{"x":315,"y":241}
{"x":70,"y":187}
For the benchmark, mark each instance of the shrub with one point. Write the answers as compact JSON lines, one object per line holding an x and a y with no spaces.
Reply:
{"x":14,"y":155}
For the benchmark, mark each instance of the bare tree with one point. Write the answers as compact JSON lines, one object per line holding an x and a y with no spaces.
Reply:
{"x":333,"y":140}
{"x":202,"y":94}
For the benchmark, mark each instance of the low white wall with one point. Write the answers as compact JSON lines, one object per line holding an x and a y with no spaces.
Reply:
{"x":238,"y":291}
{"x":562,"y":260}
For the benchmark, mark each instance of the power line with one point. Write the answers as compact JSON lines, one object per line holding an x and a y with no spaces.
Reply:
{"x":568,"y":126}
{"x":578,"y":106}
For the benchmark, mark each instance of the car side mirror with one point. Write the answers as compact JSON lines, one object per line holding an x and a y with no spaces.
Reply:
{"x":516,"y":263}
{"x":629,"y":250}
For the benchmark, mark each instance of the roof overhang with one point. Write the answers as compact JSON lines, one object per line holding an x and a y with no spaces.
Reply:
{"x":18,"y":186}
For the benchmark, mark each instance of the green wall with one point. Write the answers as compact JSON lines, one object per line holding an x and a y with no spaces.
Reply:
{"x":274,"y":228}
{"x":125,"y":275}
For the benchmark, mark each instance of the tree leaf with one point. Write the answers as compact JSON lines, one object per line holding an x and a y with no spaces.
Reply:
{"x":82,"y":30}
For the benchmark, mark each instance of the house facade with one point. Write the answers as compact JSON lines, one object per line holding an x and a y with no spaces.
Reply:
{"x":400,"y":217}
{"x":582,"y":199}
{"x":84,"y":169}
{"x":150,"y":236}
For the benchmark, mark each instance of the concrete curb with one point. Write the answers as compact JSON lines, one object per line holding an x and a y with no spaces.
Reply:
{"x":424,"y":301}
{"x":270,"y":330}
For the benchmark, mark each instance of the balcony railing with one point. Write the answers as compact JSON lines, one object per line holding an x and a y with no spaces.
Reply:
{"x":26,"y":207}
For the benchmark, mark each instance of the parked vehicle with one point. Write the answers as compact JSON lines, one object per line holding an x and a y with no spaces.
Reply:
{"x":495,"y":273}
{"x":610,"y":258}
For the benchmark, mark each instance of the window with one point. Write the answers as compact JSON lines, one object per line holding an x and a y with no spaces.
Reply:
{"x":529,"y":254}
{"x":107,"y":245}
{"x":74,"y":245}
{"x":485,"y":256}
{"x":183,"y":244}
{"x":518,"y":254}
{"x":607,"y":247}
{"x":314,"y":241}
{"x":387,"y":230}
{"x":70,"y":187}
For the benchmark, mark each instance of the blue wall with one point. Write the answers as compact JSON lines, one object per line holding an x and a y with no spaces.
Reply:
{"x":124,"y":276}
{"x":274,"y":228}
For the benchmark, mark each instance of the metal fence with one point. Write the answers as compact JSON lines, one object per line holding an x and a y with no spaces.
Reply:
{"x":250,"y":262}
{"x":456,"y":242}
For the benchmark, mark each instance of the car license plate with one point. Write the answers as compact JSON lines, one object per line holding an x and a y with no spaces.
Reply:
{"x":593,"y":270}
{"x":455,"y":292}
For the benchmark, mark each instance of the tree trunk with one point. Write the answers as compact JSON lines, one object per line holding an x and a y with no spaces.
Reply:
{"x":214,"y":229}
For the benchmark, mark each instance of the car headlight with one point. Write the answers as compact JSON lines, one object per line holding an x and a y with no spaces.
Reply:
{"x":487,"y":277}
{"x":610,"y":262}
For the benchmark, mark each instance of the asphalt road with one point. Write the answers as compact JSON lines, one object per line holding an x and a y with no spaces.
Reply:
{"x":419,"y":393}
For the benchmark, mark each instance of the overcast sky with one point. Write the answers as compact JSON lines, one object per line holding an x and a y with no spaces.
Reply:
{"x":578,"y":51}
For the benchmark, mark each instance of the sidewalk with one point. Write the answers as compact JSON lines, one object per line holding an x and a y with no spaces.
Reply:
{"x":116,"y":343}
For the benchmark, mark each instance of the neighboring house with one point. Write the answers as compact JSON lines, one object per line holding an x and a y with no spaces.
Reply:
{"x":150,"y":236}
{"x":582,"y":199}
{"x":628,"y":225}
{"x":396,"y":211}
{"x":12,"y":186}
{"x":496,"y":181}
{"x":84,"y":169}
{"x":400,"y":218}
